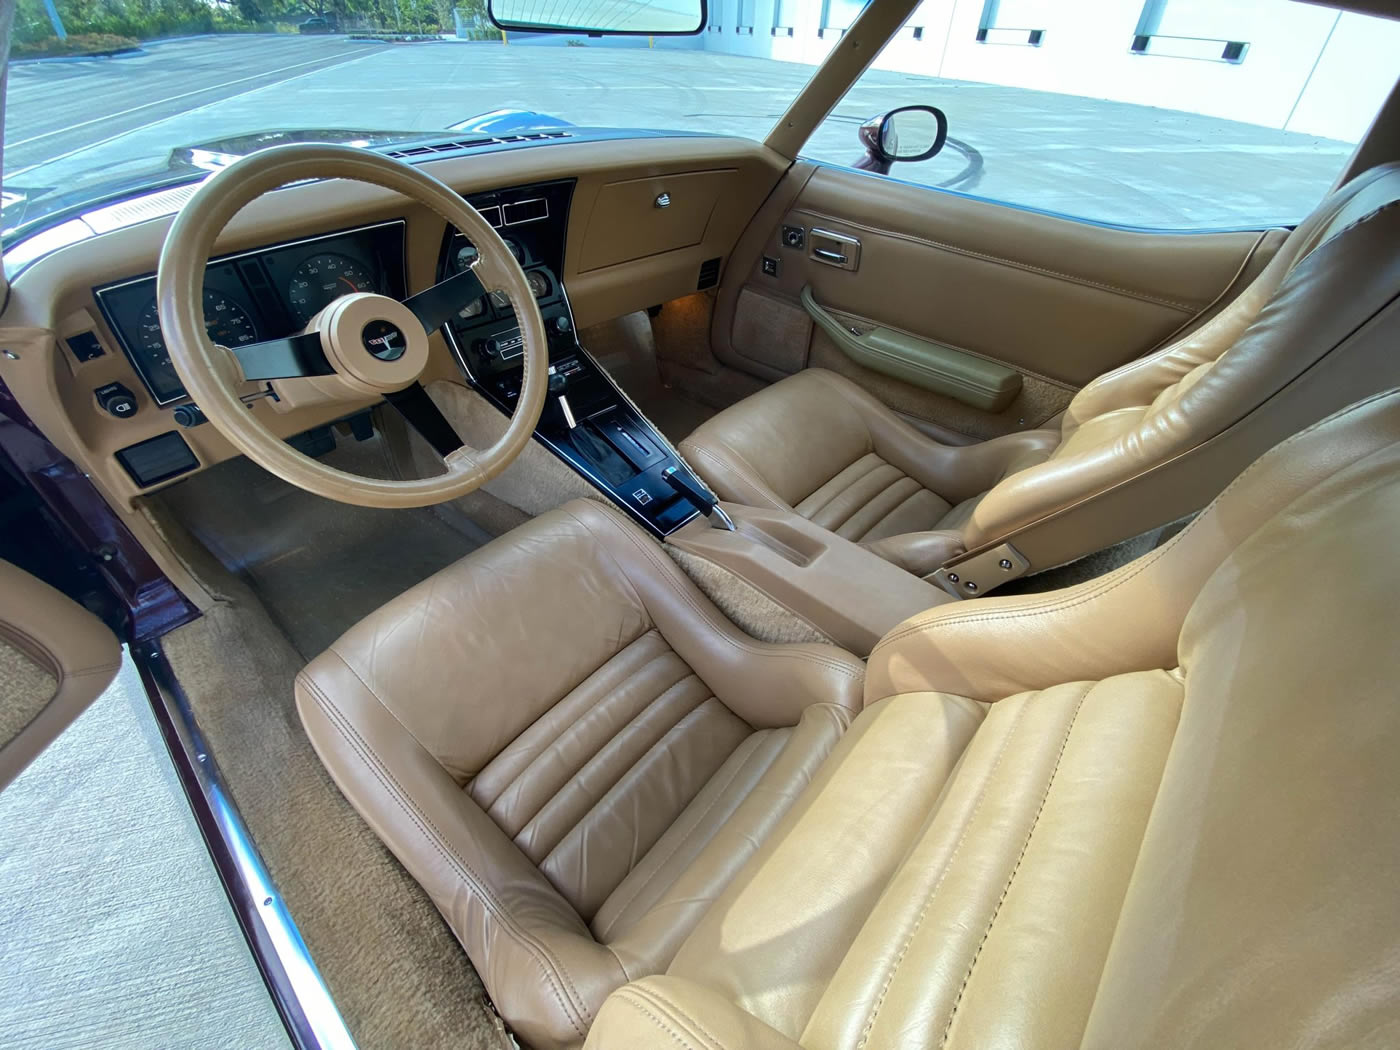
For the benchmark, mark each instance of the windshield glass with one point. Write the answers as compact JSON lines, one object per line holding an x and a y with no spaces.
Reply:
{"x":107,"y":96}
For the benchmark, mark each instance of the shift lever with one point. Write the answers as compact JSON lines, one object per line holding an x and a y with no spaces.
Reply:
{"x":558,"y":383}
{"x":698,"y":496}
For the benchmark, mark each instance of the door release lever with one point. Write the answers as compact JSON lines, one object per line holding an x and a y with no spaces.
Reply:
{"x":835,"y":249}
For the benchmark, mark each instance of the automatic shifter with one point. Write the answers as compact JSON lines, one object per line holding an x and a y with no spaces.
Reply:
{"x":558,"y":383}
{"x":699,"y":497}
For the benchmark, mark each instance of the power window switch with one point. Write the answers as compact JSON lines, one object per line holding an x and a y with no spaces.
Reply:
{"x":770,"y":266}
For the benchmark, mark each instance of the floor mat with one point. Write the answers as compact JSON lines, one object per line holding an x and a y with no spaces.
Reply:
{"x":318,"y":566}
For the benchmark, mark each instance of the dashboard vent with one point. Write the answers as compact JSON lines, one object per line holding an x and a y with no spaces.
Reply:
{"x":433,"y":149}
{"x":709,"y":274}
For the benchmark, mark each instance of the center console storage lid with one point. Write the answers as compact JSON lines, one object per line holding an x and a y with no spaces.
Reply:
{"x":852,"y":596}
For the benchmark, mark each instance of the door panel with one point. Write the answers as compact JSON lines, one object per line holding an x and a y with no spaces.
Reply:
{"x":982,"y":284}
{"x":55,"y":659}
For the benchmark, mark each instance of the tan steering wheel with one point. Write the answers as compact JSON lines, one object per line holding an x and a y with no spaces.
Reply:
{"x":361,"y":344}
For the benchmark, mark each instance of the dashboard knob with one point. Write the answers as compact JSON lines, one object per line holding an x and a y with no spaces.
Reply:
{"x":562,"y":324}
{"x":116,"y":400}
{"x":190,"y":415}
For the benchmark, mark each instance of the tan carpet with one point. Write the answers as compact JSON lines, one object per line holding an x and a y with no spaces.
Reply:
{"x":303,"y":570}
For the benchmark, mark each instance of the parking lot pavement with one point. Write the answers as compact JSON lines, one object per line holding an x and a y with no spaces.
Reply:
{"x":1107,"y":161}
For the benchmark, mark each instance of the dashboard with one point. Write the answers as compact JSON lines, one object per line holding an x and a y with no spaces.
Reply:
{"x":585,"y":218}
{"x":252,"y":296}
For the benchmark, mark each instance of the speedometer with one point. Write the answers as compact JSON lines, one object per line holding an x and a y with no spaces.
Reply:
{"x":227,"y":323}
{"x":322,"y":279}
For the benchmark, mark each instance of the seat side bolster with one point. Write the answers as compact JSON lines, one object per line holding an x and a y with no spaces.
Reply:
{"x":727,"y":473}
{"x":674,"y":1012}
{"x":767,"y":685}
{"x":1129,"y":619}
{"x":496,"y":902}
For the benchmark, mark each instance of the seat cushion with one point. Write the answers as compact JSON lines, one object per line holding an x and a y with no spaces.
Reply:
{"x":822,"y":447}
{"x":572,"y":751}
{"x":817,"y":444}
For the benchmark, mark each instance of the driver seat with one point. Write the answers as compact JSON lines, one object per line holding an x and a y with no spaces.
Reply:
{"x":817,"y":444}
{"x":573,"y":752}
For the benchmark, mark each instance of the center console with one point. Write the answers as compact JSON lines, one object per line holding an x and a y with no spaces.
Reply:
{"x":846,"y":592}
{"x":587,"y":421}
{"x":841,"y":589}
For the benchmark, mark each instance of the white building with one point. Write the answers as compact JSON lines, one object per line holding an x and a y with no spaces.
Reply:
{"x":1277,"y":63}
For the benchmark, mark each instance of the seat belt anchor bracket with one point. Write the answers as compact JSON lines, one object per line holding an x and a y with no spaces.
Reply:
{"x":977,"y":574}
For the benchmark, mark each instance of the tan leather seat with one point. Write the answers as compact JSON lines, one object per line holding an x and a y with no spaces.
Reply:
{"x":817,"y":444}
{"x":573,"y":751}
{"x":1158,"y":809}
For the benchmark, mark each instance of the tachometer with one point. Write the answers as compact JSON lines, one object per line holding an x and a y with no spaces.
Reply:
{"x":322,"y":279}
{"x":227,"y":323}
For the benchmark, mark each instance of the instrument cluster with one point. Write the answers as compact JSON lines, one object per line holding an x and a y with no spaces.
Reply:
{"x":252,"y":296}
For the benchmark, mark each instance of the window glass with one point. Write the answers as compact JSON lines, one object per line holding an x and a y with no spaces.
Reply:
{"x":1178,"y":114}
{"x":1163,"y":113}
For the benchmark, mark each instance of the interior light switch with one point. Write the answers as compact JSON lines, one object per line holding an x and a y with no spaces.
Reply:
{"x":770,"y":266}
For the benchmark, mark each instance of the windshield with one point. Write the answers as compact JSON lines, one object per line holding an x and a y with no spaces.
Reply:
{"x":1198,"y":119}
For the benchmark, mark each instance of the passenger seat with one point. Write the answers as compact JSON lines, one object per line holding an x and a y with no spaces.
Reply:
{"x":1137,"y":448}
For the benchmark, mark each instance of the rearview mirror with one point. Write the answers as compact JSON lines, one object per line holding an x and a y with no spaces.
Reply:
{"x":908,"y":133}
{"x":600,"y":17}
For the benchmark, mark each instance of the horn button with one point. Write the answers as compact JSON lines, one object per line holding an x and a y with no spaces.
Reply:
{"x":384,"y":340}
{"x":375,"y":343}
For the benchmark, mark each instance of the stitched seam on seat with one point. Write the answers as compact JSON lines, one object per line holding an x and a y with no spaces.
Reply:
{"x":531,"y":766}
{"x":390,"y":783}
{"x":858,"y":510}
{"x":884,"y":517}
{"x":1121,"y":576}
{"x":665,"y":568}
{"x":1030,"y":834}
{"x":593,"y":804}
{"x":762,"y":488}
{"x":699,"y":821}
{"x":634,"y":997}
{"x":1014,"y":264}
{"x":488,"y":804}
{"x":833,"y":497}
{"x":665,"y":744}
{"x":680,"y":1013}
{"x":380,"y":700}
{"x":902,"y":504}
{"x":942,"y":875}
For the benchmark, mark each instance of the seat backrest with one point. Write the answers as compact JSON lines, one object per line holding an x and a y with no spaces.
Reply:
{"x":1157,"y":809}
{"x":1335,"y":272}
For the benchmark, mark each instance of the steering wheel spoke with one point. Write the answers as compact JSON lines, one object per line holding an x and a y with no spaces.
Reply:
{"x":294,"y":357}
{"x":435,"y":306}
{"x":422,"y":414}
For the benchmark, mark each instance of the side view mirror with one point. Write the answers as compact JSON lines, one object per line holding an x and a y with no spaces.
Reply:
{"x":906,"y":133}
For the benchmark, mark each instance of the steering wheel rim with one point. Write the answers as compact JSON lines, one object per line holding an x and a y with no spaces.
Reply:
{"x":211,"y":374}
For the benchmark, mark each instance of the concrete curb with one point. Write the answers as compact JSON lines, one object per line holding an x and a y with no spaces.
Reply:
{"x":120,"y":52}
